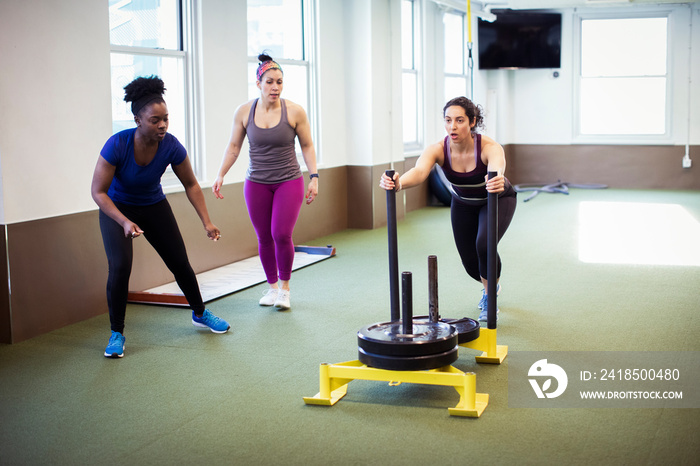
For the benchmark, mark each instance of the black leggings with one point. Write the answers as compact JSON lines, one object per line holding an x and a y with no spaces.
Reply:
{"x":160,"y":229}
{"x":469,"y":226}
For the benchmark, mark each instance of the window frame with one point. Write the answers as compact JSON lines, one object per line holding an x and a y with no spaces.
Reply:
{"x":188,"y":43}
{"x":465,"y":66}
{"x":623,"y":139}
{"x":415,"y":146}
{"x":308,"y":61}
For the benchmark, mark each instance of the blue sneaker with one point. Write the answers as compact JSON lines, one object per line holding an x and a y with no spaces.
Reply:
{"x":115,"y":347}
{"x":483,"y":316}
{"x":210,"y":321}
{"x":482,"y":301}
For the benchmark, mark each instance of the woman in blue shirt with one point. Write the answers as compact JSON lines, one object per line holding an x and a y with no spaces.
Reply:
{"x":126,"y":187}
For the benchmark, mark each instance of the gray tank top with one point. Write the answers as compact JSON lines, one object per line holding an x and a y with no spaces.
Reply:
{"x":273,"y":158}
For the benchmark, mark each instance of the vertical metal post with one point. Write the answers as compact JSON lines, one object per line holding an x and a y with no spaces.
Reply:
{"x":433,"y":310}
{"x":393,"y":251}
{"x":325,"y":380}
{"x":407,"y":294}
{"x":492,"y":256}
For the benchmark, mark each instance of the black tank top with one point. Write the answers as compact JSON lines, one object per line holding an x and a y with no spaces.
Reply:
{"x":470,"y":187}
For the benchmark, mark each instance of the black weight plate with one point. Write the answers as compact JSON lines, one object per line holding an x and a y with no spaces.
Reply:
{"x":409,"y":363}
{"x":468,"y":329}
{"x":386,"y":338}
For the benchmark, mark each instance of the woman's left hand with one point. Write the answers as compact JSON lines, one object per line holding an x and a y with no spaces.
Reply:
{"x":312,"y":190}
{"x":496,"y":184}
{"x":213,"y":232}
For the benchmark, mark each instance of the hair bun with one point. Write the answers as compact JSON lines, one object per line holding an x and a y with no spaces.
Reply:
{"x":263,"y":57}
{"x":143,"y":86}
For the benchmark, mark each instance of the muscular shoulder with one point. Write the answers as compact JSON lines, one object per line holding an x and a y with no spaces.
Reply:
{"x":295,"y":113}
{"x":491,"y":150}
{"x":437,"y":147}
{"x":489,"y":143}
{"x":242,"y":112}
{"x":434,"y":153}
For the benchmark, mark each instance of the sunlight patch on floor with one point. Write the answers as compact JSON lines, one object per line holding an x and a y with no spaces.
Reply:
{"x":638,"y":233}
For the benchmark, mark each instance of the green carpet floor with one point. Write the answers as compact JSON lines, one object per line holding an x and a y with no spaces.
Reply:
{"x":187,"y":396}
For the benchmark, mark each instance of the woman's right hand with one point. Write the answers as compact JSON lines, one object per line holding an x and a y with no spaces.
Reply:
{"x":387,"y":183}
{"x":216,"y":187}
{"x":132,"y":230}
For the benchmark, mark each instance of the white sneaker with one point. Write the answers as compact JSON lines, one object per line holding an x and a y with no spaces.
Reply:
{"x":282,"y":301}
{"x":269,"y":297}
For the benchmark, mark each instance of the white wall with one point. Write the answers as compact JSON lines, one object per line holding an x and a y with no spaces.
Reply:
{"x":385,"y":73}
{"x":686,"y":66}
{"x":371,"y":31}
{"x":694,"y":77}
{"x":55,"y":92}
{"x":55,"y":100}
{"x":536,"y":108}
{"x":224,"y":62}
{"x":432,"y":59}
{"x":357,"y":119}
{"x":333,"y":73}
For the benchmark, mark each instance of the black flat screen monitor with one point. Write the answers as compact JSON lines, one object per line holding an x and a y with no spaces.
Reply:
{"x":520,"y":39}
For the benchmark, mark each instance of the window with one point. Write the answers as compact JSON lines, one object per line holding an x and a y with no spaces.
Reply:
{"x":623,"y":76}
{"x":455,"y":70}
{"x":410,"y":76}
{"x":282,"y":29}
{"x":147,"y":39}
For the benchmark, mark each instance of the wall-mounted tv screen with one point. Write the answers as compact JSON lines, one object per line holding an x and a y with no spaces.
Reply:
{"x":520,"y":39}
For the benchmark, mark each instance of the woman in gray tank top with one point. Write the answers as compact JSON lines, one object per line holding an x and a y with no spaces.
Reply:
{"x":274,"y":185}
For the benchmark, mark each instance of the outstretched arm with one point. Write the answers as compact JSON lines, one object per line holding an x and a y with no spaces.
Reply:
{"x":416,"y":175}
{"x":233,"y":149}
{"x":494,"y":157}
{"x":195,"y":195}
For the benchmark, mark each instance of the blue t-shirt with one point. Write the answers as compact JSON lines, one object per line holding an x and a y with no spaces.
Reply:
{"x":132,"y":183}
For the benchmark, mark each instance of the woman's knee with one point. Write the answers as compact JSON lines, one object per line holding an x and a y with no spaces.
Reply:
{"x":474,"y":273}
{"x":282,"y":238}
{"x":266,"y":241}
{"x":481,"y":248}
{"x":178,"y":264}
{"x":119,"y":271}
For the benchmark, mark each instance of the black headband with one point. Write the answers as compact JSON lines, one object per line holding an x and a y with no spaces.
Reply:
{"x":137,"y":105}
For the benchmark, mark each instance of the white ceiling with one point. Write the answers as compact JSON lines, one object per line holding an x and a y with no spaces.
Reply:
{"x":553,"y":4}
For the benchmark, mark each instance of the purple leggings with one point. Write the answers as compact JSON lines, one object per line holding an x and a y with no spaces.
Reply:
{"x":274,"y":209}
